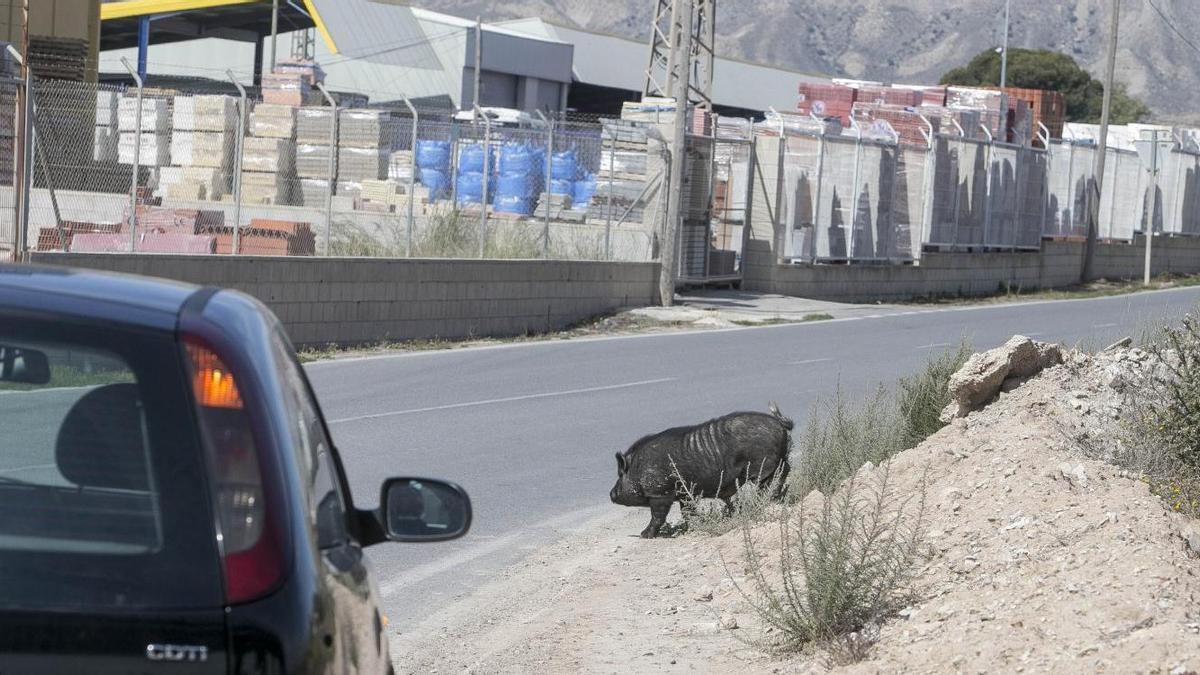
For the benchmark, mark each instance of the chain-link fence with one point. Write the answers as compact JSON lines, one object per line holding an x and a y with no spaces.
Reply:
{"x":8,"y":132}
{"x":171,"y":171}
{"x":155,"y":170}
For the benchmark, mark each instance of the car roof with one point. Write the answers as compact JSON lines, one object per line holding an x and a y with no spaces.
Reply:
{"x":91,"y":295}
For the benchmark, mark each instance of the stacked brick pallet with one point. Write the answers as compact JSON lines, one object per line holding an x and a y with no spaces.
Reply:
{"x":624,"y":163}
{"x":1009,"y":115}
{"x":8,"y":106}
{"x":155,"y":132}
{"x":203,"y":140}
{"x":265,"y":237}
{"x":827,"y":100}
{"x":167,"y":230}
{"x":1047,"y":107}
{"x":878,"y":120}
{"x":159,"y":230}
{"x":106,"y":133}
{"x":54,"y":58}
{"x":365,"y":138}
{"x":288,"y":89}
{"x":55,"y":239}
{"x":269,"y":156}
{"x":312,"y":154}
{"x":992,"y":107}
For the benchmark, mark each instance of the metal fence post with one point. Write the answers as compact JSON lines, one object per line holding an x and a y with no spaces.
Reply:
{"x":927,"y":186}
{"x":958,"y":172}
{"x":239,"y":150}
{"x":1070,"y":227}
{"x":333,"y":149}
{"x":137,"y":155}
{"x":1044,"y":135}
{"x":987,"y":185}
{"x":21,"y":236}
{"x":816,"y":227}
{"x":612,"y":179}
{"x":487,"y":170}
{"x":412,"y":178}
{"x":854,"y":195}
{"x":1018,"y":208}
{"x":549,"y":176}
{"x":1112,"y":207}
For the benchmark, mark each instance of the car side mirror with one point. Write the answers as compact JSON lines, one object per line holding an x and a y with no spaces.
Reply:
{"x":23,"y":366}
{"x":423,"y":509}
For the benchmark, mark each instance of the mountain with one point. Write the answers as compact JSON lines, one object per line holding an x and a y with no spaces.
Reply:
{"x":916,"y":40}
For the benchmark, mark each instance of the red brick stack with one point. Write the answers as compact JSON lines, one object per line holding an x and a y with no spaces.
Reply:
{"x":266,"y":237}
{"x":889,"y":96}
{"x":827,"y":100}
{"x":51,"y":239}
{"x":1047,"y":107}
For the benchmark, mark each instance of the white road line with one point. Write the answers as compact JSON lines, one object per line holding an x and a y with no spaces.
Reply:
{"x":506,"y":399}
{"x":807,"y":361}
{"x":1105,"y":325}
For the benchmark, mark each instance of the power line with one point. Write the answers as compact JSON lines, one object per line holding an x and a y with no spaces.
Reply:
{"x":1162,"y":15}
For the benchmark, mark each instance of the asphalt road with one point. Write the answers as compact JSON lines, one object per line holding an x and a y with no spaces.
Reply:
{"x":530,"y":429}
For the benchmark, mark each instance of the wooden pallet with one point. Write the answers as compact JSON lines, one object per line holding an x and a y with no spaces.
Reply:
{"x":58,"y":58}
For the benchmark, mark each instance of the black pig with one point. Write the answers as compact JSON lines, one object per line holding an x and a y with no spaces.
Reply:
{"x":712,"y":458}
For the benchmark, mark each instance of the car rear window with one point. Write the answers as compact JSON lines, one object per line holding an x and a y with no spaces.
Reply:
{"x":103,"y":500}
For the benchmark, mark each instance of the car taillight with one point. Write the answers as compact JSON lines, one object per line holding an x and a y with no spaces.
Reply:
{"x":249,"y":544}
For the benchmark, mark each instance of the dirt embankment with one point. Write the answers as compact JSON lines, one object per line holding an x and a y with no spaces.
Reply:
{"x":1041,"y":560}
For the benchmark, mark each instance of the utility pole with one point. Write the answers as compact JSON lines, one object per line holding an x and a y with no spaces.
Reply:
{"x":1149,"y":147}
{"x":478,"y":59}
{"x":682,"y":17}
{"x":1089,"y":250}
{"x":1004,"y":54}
{"x":664,"y":35}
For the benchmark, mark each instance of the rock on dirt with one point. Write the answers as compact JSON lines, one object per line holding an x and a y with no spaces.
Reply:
{"x":1040,"y":558}
{"x":985,"y":374}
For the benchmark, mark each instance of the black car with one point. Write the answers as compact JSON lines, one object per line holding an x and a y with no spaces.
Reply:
{"x":170,"y":499}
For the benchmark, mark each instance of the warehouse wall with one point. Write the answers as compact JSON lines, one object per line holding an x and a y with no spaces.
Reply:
{"x":1058,"y":264}
{"x":358,"y":300}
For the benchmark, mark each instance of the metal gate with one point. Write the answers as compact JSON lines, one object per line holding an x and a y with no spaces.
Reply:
{"x":716,"y":192}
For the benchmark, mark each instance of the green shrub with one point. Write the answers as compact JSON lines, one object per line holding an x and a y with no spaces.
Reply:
{"x":1174,"y":411}
{"x":840,"y":438}
{"x":922,"y":397}
{"x":841,"y":571}
{"x":750,"y":504}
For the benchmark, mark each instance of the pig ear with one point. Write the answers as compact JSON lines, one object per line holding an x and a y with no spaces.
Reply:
{"x":620,"y":462}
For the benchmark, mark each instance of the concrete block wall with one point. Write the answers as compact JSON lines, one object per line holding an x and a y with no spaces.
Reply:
{"x":1057,"y":265}
{"x":351,"y":301}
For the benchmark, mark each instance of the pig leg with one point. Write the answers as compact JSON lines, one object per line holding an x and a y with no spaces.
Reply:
{"x":659,"y":508}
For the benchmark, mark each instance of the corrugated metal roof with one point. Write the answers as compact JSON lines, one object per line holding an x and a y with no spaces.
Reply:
{"x":377,"y":32}
{"x":619,"y":62}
